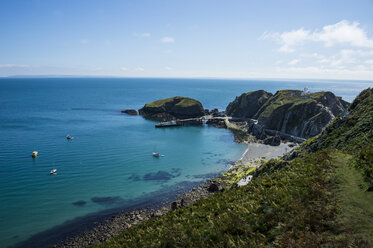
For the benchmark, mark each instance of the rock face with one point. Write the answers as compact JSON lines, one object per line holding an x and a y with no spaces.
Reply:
{"x":247,"y":104}
{"x":173,"y":108}
{"x":290,"y":111}
{"x":129,"y":111}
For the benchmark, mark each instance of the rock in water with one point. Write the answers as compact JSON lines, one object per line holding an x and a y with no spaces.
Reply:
{"x":173,"y":108}
{"x":129,"y":111}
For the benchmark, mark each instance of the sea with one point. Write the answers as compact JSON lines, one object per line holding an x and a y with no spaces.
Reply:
{"x":108,"y":166}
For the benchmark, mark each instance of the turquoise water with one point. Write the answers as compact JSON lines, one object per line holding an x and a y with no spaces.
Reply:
{"x":110,"y":155}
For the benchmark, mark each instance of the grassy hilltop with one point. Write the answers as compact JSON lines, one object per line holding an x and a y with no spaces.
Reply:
{"x":173,"y":108}
{"x":321,"y":197}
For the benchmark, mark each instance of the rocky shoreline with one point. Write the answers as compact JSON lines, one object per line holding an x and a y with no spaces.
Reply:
{"x":118,"y":222}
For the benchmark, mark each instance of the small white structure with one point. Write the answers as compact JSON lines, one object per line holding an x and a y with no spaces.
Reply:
{"x":244,"y":181}
{"x":305,"y":92}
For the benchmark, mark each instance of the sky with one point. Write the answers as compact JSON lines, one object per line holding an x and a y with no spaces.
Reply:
{"x":241,"y":39}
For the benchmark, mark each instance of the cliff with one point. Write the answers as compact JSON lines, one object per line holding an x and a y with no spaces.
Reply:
{"x":173,"y":108}
{"x":247,"y":104}
{"x":289,"y":111}
{"x":349,"y":132}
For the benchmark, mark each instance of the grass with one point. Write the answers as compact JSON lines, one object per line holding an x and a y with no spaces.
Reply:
{"x":355,"y":220}
{"x":285,"y":99}
{"x":231,"y":177}
{"x":183,"y":102}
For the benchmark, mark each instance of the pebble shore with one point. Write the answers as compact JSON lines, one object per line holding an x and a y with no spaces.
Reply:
{"x":117,"y":223}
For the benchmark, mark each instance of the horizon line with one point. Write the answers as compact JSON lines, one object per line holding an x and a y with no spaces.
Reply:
{"x":159,"y":77}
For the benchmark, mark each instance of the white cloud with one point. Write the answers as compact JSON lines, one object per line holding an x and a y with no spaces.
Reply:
{"x":124,"y":69}
{"x":293,"y":38}
{"x":343,"y":32}
{"x":312,"y":55}
{"x":294,"y":62}
{"x":139,"y":69}
{"x":167,"y":40}
{"x":168,"y":68}
{"x":142,"y":35}
{"x":13,"y":66}
{"x":345,"y":57}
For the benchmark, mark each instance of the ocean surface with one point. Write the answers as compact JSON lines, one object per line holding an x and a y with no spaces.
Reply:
{"x":109,"y":163}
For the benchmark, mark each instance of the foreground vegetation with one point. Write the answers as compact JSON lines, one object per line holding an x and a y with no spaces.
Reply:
{"x":322,"y":198}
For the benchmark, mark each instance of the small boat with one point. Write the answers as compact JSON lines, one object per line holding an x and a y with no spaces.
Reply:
{"x":69,"y":137}
{"x":53,"y":172}
{"x":168,"y":124}
{"x":34,"y":154}
{"x":156,"y":154}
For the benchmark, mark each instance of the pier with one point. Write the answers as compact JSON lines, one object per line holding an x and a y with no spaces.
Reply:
{"x":188,"y":122}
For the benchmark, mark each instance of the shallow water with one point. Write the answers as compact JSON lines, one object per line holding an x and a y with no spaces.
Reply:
{"x":109,"y":162}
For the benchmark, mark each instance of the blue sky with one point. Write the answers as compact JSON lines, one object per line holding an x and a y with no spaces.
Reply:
{"x":194,"y":38}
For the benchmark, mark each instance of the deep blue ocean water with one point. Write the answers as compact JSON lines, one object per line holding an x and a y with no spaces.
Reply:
{"x":109,"y":162}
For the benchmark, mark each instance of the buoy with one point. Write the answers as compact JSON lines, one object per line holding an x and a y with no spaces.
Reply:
{"x":34,"y":154}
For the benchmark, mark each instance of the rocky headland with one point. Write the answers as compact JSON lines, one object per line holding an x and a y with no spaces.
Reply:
{"x":287,"y":115}
{"x":173,"y":108}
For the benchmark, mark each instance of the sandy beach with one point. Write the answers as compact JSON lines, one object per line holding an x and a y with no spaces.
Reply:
{"x":257,"y":150}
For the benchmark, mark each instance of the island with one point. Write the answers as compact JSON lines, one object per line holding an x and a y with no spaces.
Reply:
{"x":173,"y":108}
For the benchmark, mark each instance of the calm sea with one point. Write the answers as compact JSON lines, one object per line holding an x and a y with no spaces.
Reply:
{"x":109,"y":163}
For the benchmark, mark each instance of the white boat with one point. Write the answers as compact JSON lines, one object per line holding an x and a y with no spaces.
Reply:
{"x":53,"y":172}
{"x":69,"y":137}
{"x":156,"y":154}
{"x":34,"y":154}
